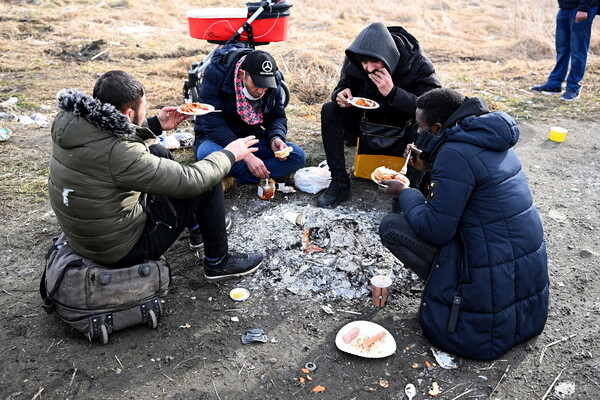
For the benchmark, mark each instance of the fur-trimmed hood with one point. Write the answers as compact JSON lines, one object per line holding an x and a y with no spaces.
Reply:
{"x":102,"y":115}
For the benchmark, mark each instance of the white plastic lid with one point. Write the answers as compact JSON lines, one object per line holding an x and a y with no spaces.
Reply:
{"x":218,"y":13}
{"x":381,"y":281}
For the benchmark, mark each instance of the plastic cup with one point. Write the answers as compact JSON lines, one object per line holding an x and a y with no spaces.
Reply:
{"x":380,"y":289}
{"x":295,"y":218}
{"x":558,"y":134}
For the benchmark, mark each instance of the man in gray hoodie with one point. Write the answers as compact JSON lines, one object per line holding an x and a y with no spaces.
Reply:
{"x":384,"y":64}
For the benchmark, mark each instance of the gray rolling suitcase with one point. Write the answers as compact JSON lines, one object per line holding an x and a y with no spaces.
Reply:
{"x":97,"y":300}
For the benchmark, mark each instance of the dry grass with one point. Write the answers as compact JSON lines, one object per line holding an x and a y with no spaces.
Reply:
{"x":496,"y":48}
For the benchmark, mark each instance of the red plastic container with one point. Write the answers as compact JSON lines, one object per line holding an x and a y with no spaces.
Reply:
{"x":220,"y":24}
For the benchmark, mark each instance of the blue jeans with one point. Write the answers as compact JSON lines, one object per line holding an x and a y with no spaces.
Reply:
{"x":276,"y":167}
{"x":572,"y":45}
{"x":404,"y":243}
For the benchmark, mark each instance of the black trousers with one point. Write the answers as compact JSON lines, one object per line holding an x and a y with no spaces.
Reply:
{"x":336,"y":124}
{"x":401,"y":239}
{"x":167,"y":217}
{"x":339,"y":123}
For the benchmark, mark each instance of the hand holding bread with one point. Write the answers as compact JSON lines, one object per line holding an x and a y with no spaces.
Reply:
{"x":284,"y":153}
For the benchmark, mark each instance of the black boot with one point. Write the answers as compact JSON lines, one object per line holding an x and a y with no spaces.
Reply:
{"x":337,"y":192}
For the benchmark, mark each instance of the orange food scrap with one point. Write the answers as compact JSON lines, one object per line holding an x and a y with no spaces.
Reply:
{"x":302,"y":380}
{"x":428,"y":364}
{"x":318,"y":389}
{"x":435,"y":389}
{"x":305,"y":370}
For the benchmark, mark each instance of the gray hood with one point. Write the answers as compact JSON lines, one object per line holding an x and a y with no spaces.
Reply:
{"x":375,"y":41}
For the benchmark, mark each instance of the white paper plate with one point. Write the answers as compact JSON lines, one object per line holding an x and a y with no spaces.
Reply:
{"x":209,"y":108}
{"x":405,"y":180}
{"x":372,"y":103}
{"x":383,"y":348}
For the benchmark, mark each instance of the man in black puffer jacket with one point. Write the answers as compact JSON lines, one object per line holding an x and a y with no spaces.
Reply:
{"x":382,"y":64}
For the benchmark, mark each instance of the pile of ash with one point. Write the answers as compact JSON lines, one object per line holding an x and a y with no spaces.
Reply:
{"x":351,"y":250}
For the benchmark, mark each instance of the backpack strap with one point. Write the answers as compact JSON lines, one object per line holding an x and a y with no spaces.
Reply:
{"x":51,"y":257}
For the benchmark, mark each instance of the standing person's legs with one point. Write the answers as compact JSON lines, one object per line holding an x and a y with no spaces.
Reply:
{"x":335,"y":123}
{"x":404,"y":243}
{"x":580,"y":45}
{"x":563,"y":47}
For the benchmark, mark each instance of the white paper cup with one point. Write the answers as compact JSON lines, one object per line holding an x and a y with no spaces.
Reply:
{"x":295,"y":218}
{"x":380,"y":289}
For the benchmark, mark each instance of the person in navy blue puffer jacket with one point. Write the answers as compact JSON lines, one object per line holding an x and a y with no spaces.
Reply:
{"x":477,"y":238}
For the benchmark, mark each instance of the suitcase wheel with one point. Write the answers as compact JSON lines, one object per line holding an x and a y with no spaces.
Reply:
{"x":103,"y":334}
{"x":152,"y":320}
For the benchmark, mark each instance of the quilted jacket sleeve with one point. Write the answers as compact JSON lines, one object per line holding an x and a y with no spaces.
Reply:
{"x":437,"y":218}
{"x":132,"y":167}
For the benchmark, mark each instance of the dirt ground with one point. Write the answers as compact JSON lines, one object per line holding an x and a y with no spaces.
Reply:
{"x":44,"y":358}
{"x":300,"y":300}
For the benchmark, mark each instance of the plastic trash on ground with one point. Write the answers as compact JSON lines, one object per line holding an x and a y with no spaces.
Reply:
{"x":254,"y":335}
{"x":443,"y":359}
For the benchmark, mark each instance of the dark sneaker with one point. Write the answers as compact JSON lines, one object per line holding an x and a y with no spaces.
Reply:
{"x":336,"y":193}
{"x":546,"y":89}
{"x":196,"y":241}
{"x":570,"y":95}
{"x":232,"y":266}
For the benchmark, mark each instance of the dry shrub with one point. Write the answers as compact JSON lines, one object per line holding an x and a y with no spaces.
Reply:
{"x":310,"y":77}
{"x":533,"y":48}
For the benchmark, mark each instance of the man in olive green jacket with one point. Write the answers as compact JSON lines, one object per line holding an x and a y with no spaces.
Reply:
{"x":120,"y":202}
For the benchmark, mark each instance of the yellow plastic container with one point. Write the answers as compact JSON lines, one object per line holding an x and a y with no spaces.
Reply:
{"x":558,"y":134}
{"x":365,"y":164}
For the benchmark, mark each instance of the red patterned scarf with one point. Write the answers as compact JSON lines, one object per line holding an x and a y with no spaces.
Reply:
{"x":245,"y":110}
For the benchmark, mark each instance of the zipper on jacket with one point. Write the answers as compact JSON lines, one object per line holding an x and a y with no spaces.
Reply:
{"x":454,"y":312}
{"x":462,"y":277}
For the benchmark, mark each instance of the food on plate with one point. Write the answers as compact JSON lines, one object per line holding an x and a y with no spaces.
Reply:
{"x":283,"y":153}
{"x":387,"y":174}
{"x":194,"y":108}
{"x":351,"y":335}
{"x":364,"y":102}
{"x":370,"y":341}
